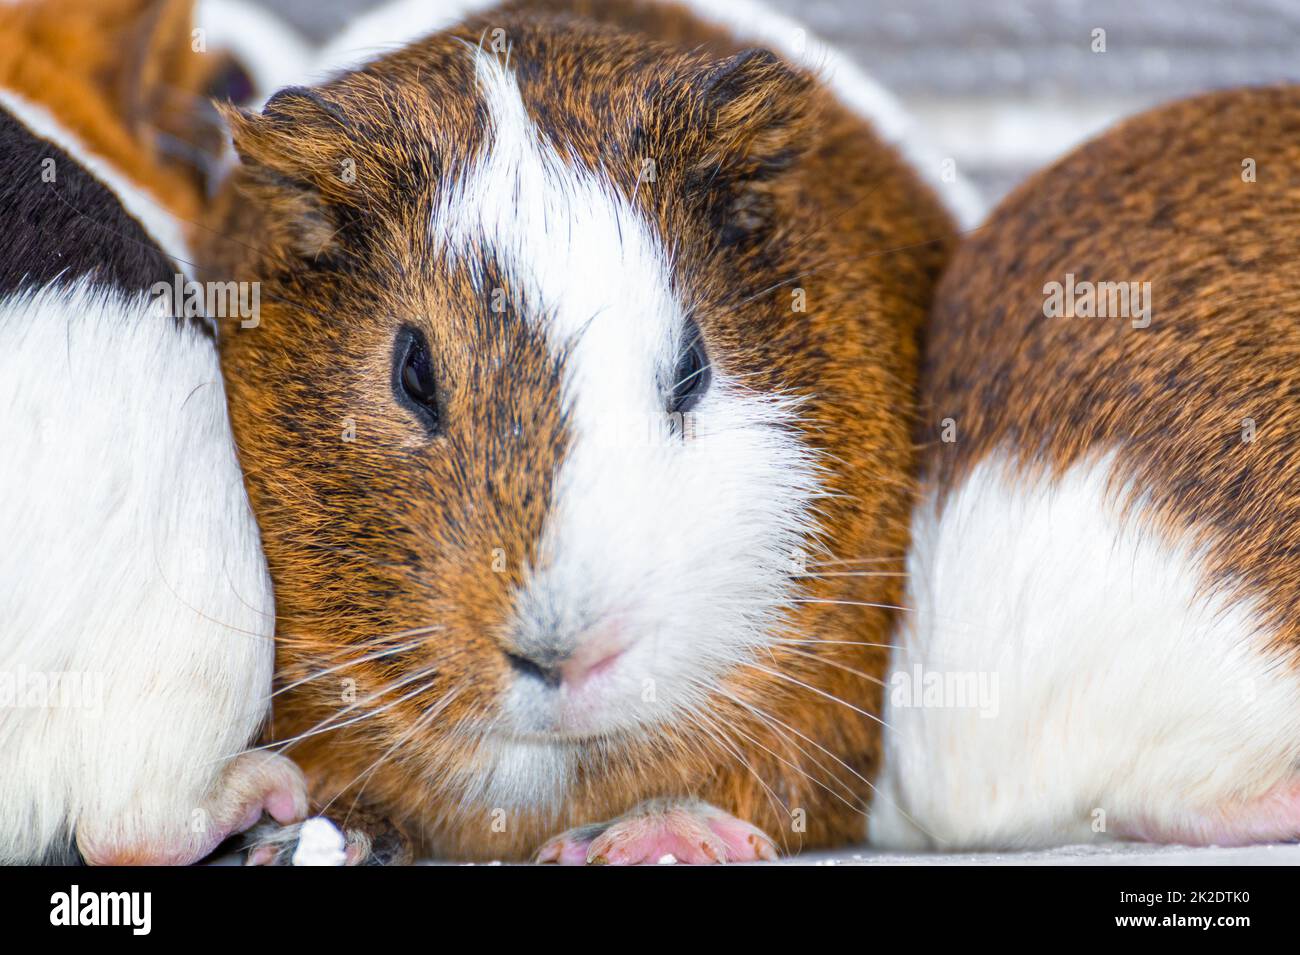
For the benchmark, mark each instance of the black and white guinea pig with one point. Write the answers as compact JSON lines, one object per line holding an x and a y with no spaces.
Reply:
{"x":136,"y":614}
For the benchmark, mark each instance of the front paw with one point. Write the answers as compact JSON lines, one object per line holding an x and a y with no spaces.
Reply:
{"x":687,"y":831}
{"x":254,"y":784}
{"x":362,"y":840}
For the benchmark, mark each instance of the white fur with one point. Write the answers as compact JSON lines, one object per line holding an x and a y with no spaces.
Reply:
{"x":686,"y":545}
{"x":1130,"y":695}
{"x":130,"y":555}
{"x":130,"y":558}
{"x":395,"y":24}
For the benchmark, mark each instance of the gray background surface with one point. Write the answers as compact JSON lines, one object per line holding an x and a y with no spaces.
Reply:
{"x":1004,"y":86}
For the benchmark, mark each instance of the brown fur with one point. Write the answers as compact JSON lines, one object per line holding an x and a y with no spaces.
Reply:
{"x":1160,"y":198}
{"x":121,"y":75}
{"x":764,"y":183}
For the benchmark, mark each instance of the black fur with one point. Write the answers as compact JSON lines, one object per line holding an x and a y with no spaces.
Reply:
{"x":71,"y":228}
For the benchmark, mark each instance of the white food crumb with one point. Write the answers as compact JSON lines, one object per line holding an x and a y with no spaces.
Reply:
{"x":319,"y":843}
{"x":668,"y":859}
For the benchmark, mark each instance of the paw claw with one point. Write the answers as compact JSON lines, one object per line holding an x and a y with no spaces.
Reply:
{"x":694,"y":833}
{"x":261,"y":855}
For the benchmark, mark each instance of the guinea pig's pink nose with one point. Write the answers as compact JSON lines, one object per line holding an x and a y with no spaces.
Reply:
{"x":595,"y":652}
{"x":593,"y":656}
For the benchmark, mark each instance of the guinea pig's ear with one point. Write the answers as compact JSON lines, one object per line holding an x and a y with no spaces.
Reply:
{"x":749,"y":121}
{"x":753,"y":109}
{"x":295,"y":160}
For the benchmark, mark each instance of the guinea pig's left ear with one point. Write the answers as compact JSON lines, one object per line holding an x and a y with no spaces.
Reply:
{"x":298,"y":159}
{"x":752,"y":110}
{"x":744,"y":120}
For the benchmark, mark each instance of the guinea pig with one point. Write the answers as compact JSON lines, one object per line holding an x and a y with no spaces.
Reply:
{"x":1105,"y":638}
{"x":136,"y":645}
{"x":578,"y":426}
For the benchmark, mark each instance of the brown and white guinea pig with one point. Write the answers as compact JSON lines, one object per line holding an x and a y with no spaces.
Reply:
{"x":135,"y":611}
{"x":1105,"y":560}
{"x":578,"y":427}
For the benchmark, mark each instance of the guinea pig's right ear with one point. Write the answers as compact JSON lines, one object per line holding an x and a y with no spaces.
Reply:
{"x":298,"y":163}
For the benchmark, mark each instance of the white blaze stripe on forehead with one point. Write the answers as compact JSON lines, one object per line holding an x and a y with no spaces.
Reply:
{"x":686,"y":544}
{"x":582,"y":255}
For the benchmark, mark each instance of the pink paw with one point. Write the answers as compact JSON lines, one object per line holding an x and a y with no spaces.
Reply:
{"x":258,"y":784}
{"x":169,"y":832}
{"x":690,"y":832}
{"x":1272,"y":817}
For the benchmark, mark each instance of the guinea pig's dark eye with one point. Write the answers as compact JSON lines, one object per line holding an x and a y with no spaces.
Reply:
{"x":692,"y":376}
{"x":413,"y":381}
